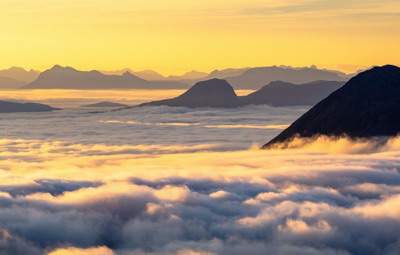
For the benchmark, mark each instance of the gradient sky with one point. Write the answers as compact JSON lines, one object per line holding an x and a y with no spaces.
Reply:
{"x":180,"y":35}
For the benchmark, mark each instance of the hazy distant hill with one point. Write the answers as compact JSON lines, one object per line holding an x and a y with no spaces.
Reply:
{"x":19,"y":74}
{"x":151,"y":75}
{"x":219,"y":93}
{"x":280,"y":93}
{"x":255,"y":78}
{"x":211,"y":93}
{"x":188,"y":76}
{"x":10,"y":107}
{"x":368,"y":105}
{"x":10,"y":83}
{"x":225,"y":73}
{"x":16,"y":77}
{"x":148,"y":75}
{"x":105,"y":104}
{"x":69,"y":78}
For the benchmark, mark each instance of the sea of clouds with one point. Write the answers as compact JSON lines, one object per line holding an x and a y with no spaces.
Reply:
{"x":164,"y":181}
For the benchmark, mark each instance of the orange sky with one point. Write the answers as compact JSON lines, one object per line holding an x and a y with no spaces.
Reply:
{"x":180,"y":35}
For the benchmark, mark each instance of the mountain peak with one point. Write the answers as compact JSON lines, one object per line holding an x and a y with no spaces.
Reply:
{"x":19,"y":74}
{"x":366,"y":106}
{"x":56,"y":67}
{"x":209,"y":93}
{"x":128,"y":74}
{"x":212,"y":84}
{"x":61,"y":68}
{"x":379,"y":70}
{"x":386,"y":68}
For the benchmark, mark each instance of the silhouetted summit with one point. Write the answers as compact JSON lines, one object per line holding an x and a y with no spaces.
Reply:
{"x":279,"y":93}
{"x":60,"y":77}
{"x":10,"y":107}
{"x":210,"y":93}
{"x":367,"y":106}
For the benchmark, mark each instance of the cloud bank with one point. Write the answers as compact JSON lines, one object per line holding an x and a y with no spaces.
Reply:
{"x":303,"y":200}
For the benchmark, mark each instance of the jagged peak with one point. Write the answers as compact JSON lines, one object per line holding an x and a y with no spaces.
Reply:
{"x":61,"y":68}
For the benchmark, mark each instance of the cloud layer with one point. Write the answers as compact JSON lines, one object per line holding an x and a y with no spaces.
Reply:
{"x":165,"y":181}
{"x":295,"y":201}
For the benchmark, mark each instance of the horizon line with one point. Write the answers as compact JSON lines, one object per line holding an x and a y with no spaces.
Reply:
{"x":136,"y":70}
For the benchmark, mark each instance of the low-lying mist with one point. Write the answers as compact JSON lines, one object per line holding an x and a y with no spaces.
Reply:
{"x":326,"y":196}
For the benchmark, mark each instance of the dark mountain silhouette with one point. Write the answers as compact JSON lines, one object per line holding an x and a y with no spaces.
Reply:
{"x":279,"y":93}
{"x":367,"y":106}
{"x":219,"y":93}
{"x":105,"y":104}
{"x":69,"y":78}
{"x":10,"y":107}
{"x":255,"y":78}
{"x":210,"y":93}
{"x":10,"y":83}
{"x":19,"y":74}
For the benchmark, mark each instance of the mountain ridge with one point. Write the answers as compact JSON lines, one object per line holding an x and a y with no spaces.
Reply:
{"x":19,"y":74}
{"x":59,"y":77}
{"x":366,"y":106}
{"x":255,"y":78}
{"x":217,"y":92}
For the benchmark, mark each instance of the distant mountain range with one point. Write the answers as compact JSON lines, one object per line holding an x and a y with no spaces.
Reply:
{"x":367,"y":106}
{"x":15,"y":77}
{"x":219,"y":93}
{"x":226,"y":73}
{"x":255,"y":78}
{"x":59,"y":77}
{"x":19,"y":74}
{"x":151,"y":75}
{"x":13,"y":107}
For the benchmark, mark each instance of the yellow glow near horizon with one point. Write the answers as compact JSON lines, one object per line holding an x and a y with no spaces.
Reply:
{"x":180,"y":35}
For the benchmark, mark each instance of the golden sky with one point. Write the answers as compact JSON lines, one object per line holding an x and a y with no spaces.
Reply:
{"x":180,"y":35}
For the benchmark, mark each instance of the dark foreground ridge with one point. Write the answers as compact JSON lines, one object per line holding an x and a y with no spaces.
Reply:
{"x":11,"y":107}
{"x":367,"y":106}
{"x":219,"y":93}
